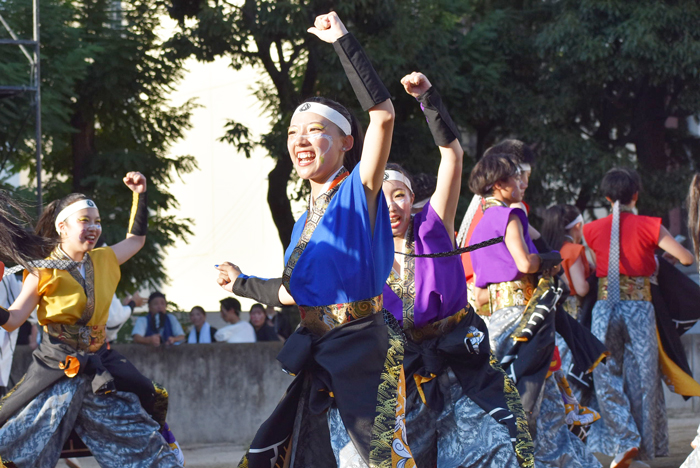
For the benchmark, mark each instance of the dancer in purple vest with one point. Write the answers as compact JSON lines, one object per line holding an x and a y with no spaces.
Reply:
{"x":462,"y":409}
{"x":505,"y":284}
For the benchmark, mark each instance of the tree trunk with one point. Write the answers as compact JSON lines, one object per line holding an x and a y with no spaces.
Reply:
{"x":649,"y":130}
{"x":83,"y":145}
{"x":278,"y":200}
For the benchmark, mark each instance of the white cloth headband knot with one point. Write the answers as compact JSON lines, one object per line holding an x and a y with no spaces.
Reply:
{"x":328,"y":113}
{"x":72,"y":208}
{"x":579,"y":219}
{"x":396,"y":175}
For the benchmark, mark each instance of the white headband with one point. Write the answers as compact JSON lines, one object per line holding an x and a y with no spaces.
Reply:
{"x":525,"y":167}
{"x":396,"y":175}
{"x":579,"y":219}
{"x":326,"y":112}
{"x":73,"y":208}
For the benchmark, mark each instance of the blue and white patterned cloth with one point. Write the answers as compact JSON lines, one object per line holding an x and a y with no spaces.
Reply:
{"x":115,"y":428}
{"x":628,"y":386}
{"x":555,"y":445}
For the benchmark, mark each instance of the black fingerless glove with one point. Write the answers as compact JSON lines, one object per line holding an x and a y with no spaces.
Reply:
{"x":265,"y":291}
{"x":4,"y":316}
{"x":440,"y":123}
{"x":364,"y":79}
{"x":138,"y":220}
{"x":549,"y":260}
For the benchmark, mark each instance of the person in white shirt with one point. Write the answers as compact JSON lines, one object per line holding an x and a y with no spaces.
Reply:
{"x":10,"y":287}
{"x":119,"y":313}
{"x":239,"y":331}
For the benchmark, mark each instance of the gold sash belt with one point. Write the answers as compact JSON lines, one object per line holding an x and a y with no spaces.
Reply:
{"x":319,"y":320}
{"x":632,"y":288}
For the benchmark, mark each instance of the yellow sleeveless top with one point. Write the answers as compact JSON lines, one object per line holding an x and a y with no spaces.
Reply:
{"x":62,"y":299}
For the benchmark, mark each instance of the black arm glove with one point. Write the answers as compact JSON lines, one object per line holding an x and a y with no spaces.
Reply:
{"x":549,"y":260}
{"x":364,"y":79}
{"x":4,"y":316}
{"x":138,"y":221}
{"x":440,"y":123}
{"x":262,"y":290}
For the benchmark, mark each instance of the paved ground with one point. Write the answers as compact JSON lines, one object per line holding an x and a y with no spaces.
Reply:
{"x":681,"y":431}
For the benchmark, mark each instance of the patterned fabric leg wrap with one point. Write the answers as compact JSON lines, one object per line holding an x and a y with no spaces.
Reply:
{"x":628,"y":386}
{"x":556,"y":446}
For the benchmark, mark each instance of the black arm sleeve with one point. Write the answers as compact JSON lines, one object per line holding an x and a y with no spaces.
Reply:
{"x":4,"y":316}
{"x":549,"y":260}
{"x":440,"y":123}
{"x":138,"y":221}
{"x":541,"y":245}
{"x":262,"y":290}
{"x":364,"y":79}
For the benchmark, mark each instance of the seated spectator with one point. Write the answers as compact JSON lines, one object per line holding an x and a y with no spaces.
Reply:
{"x":158,"y":327}
{"x":239,"y":331}
{"x":119,"y":313}
{"x":278,"y":321}
{"x":258,"y":319}
{"x":201,"y":331}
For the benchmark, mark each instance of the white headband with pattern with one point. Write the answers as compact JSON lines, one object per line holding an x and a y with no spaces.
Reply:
{"x":72,"y":208}
{"x":396,"y":175}
{"x":579,"y":219}
{"x":326,"y":112}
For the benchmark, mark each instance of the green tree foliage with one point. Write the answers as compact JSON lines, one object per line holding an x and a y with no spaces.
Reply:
{"x":590,"y":84}
{"x":106,"y":77}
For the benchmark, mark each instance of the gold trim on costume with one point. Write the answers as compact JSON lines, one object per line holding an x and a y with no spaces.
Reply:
{"x":81,"y":337}
{"x":677,"y":380}
{"x":134,"y":208}
{"x":632,"y":288}
{"x":320,"y":320}
{"x":515,"y":293}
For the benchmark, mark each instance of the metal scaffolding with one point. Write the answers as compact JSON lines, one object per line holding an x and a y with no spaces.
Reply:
{"x":34,"y":85}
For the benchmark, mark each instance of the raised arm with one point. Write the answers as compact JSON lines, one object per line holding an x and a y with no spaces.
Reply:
{"x":138,"y":221}
{"x":373,"y":97}
{"x":446,"y":135}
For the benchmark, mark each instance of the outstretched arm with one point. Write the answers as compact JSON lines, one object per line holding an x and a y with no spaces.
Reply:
{"x":136,"y":236}
{"x":444,"y":200}
{"x":671,"y":245}
{"x":20,"y":310}
{"x":267,"y":291}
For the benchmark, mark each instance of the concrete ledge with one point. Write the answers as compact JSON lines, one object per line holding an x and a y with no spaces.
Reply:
{"x":219,"y":393}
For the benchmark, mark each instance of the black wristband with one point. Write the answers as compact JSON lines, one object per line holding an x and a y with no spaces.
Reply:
{"x":4,"y":316}
{"x":132,"y":305}
{"x":549,"y":260}
{"x":138,"y":221}
{"x":364,"y":79}
{"x":262,"y":290}
{"x":440,"y":123}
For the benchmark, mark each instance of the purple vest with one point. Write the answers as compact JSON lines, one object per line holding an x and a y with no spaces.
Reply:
{"x":440,"y":289}
{"x":495,"y":264}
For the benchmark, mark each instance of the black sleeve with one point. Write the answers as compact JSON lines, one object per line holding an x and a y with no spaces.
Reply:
{"x":440,"y":123}
{"x":138,"y":220}
{"x":541,"y":245}
{"x":364,"y":79}
{"x":4,"y":316}
{"x":265,"y":291}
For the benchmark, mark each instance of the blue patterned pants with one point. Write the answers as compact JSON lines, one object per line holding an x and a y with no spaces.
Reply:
{"x":628,"y":387}
{"x":115,"y":428}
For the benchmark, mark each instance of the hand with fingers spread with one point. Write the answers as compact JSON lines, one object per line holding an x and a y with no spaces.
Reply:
{"x":228,"y":272}
{"x":415,"y":84}
{"x":136,"y":182}
{"x":328,"y":27}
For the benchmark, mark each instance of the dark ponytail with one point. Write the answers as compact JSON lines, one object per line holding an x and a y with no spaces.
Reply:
{"x":17,"y":242}
{"x":694,"y":213}
{"x":46,"y":227}
{"x":556,"y":218}
{"x":352,"y":156}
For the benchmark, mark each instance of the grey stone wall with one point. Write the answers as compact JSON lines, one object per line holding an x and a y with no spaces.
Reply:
{"x":219,"y":393}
